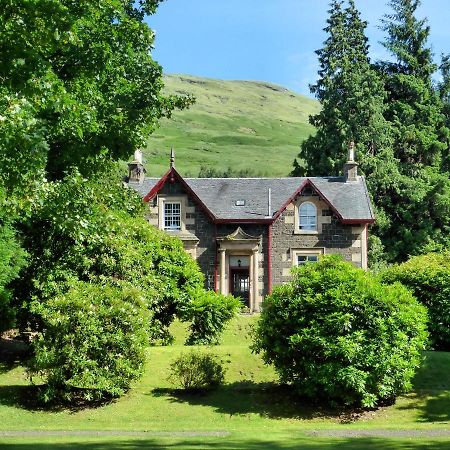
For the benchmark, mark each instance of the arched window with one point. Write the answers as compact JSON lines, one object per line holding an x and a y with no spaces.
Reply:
{"x":307,"y":215}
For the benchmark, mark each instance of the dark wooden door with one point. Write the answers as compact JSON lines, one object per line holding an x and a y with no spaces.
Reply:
{"x":240,"y":284}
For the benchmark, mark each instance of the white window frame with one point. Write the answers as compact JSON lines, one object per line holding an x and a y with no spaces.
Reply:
{"x":316,"y":252}
{"x":299,"y":212}
{"x":172,"y":216}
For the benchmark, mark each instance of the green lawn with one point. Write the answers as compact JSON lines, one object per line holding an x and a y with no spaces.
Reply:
{"x":249,"y":412}
{"x":239,"y":124}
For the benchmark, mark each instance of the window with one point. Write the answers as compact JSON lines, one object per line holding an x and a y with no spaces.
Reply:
{"x":303,"y":259}
{"x":301,"y":256}
{"x":172,"y":216}
{"x":307,"y":213}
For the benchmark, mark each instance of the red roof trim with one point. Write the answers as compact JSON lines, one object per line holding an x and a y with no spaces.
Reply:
{"x":157,"y":187}
{"x":172,"y":175}
{"x":290,"y":199}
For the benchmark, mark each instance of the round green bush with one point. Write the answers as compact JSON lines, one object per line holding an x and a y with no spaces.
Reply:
{"x":428,"y":277}
{"x":208,"y":312}
{"x":197,"y":370}
{"x":92,"y":345}
{"x":338,"y":335}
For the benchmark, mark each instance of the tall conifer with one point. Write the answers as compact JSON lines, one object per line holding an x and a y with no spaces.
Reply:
{"x":414,"y":107}
{"x":352,"y":98}
{"x":418,"y":204}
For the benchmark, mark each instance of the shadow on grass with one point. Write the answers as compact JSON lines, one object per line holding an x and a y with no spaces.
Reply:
{"x":290,"y":443}
{"x":432,"y":389}
{"x":265,"y":399}
{"x":27,"y":397}
{"x":12,"y":354}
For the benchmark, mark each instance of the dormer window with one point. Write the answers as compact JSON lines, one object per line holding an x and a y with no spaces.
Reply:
{"x":172,"y":216}
{"x":307,"y":217}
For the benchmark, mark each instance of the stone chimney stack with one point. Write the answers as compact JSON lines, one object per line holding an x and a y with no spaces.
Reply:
{"x":351,"y":166}
{"x":136,"y":170}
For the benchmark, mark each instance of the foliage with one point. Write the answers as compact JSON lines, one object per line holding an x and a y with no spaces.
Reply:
{"x":77,"y":81}
{"x":336,"y":333}
{"x":12,"y":259}
{"x":209,"y":313}
{"x":92,"y":345}
{"x":352,"y":97}
{"x":83,"y":231}
{"x":428,"y":277}
{"x":197,"y":370}
{"x":420,"y":139}
{"x":398,"y":120}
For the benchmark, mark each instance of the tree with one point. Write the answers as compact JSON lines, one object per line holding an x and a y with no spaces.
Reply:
{"x":444,"y":94}
{"x":335,"y":333}
{"x":352,"y":98}
{"x":12,"y":259}
{"x":396,"y":118}
{"x":77,"y":80}
{"x":415,"y":205}
{"x":414,"y":108}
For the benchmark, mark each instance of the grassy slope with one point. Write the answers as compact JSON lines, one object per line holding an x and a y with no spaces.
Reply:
{"x":239,"y":124}
{"x":249,"y":407}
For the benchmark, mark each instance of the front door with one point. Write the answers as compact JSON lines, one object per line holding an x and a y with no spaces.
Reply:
{"x":240,"y":284}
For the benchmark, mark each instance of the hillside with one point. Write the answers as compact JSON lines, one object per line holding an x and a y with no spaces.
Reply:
{"x":239,"y":124}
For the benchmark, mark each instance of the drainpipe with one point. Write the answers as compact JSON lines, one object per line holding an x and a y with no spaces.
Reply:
{"x":215,"y":258}
{"x":269,"y":258}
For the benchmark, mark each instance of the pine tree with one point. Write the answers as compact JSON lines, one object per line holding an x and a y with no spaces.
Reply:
{"x":414,"y":106}
{"x":444,"y":95}
{"x":352,"y":98}
{"x":417,"y":205}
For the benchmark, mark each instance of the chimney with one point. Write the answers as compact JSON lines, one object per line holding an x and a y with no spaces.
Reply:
{"x":136,"y":170}
{"x":351,"y":166}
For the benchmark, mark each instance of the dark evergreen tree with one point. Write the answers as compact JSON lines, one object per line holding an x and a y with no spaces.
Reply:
{"x":414,"y":107}
{"x":352,"y":98}
{"x":444,"y":95}
{"x":396,"y":117}
{"x":417,"y":204}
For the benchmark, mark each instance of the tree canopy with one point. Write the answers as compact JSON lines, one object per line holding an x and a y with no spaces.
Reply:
{"x":77,"y":80}
{"x":399,"y":120}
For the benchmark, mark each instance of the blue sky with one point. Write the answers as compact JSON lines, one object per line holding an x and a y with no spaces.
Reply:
{"x":266,"y":40}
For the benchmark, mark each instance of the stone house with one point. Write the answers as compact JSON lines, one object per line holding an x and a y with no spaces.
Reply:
{"x":247,"y":233}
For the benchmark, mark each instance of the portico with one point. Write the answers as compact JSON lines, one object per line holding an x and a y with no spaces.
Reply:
{"x":239,"y":267}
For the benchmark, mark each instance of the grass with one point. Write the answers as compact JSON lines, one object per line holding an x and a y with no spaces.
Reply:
{"x":251,"y":409}
{"x":239,"y":124}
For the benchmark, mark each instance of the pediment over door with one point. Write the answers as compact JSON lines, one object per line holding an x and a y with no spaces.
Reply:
{"x":239,"y":238}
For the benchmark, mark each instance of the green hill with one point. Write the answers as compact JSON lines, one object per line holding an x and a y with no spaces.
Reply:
{"x":239,"y":124}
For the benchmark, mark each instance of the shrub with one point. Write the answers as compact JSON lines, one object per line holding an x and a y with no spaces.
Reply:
{"x":337,"y":334}
{"x":208,"y":313}
{"x":428,"y":277}
{"x":197,"y":370}
{"x":93,"y":342}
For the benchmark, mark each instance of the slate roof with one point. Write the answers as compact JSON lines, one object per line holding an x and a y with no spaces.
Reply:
{"x":350,"y":200}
